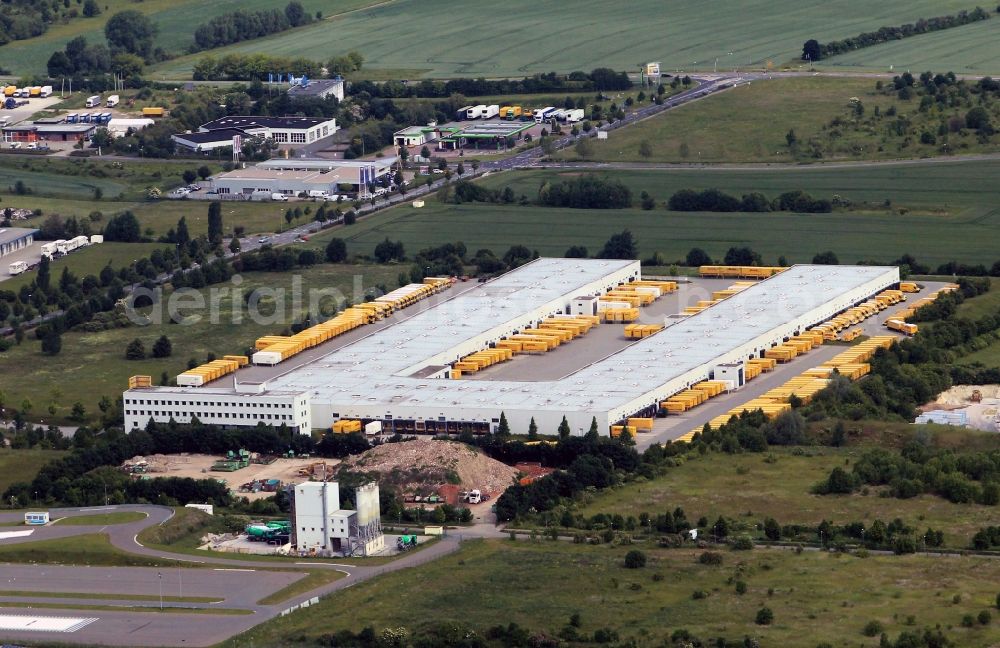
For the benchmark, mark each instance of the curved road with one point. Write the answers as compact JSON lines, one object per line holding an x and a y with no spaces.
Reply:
{"x":245,"y":582}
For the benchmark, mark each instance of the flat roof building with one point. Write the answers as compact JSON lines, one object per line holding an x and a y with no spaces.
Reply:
{"x":319,"y":88}
{"x":291,"y":177}
{"x":201,"y":142}
{"x":46,"y":132}
{"x":399,"y":375}
{"x":13,"y":239}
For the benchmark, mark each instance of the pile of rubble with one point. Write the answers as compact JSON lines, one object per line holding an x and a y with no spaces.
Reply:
{"x":421,"y":466}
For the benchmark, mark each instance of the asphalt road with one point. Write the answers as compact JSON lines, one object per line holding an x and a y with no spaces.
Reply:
{"x":241,"y":582}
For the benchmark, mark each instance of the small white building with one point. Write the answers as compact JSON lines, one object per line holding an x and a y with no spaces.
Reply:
{"x":321,"y":526}
{"x":283,"y":130}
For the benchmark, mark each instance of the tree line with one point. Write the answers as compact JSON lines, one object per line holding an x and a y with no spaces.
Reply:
{"x":242,"y":25}
{"x":713,"y":200}
{"x":812,"y":50}
{"x":599,"y":79}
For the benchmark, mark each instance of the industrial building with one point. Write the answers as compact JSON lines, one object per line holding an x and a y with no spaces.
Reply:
{"x":318,"y":88}
{"x":320,"y":526}
{"x":297,"y":175}
{"x":13,"y":239}
{"x":244,"y":405}
{"x":420,"y":135}
{"x":202,"y":142}
{"x":284,"y":131}
{"x":401,"y":375}
{"x":27,"y":132}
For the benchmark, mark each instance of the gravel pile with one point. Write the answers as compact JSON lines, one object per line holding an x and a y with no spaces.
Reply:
{"x":421,"y":466}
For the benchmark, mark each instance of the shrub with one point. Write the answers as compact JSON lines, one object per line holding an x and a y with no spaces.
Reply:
{"x":764,"y":616}
{"x":713,"y":558}
{"x":984,"y":617}
{"x":872,"y":629}
{"x":699,"y":594}
{"x":741,"y":543}
{"x":635,"y":559}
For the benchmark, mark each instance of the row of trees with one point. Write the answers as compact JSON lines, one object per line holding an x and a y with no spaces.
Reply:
{"x":599,"y":79}
{"x":244,"y":25}
{"x":246,"y":67}
{"x":813,"y":50}
{"x":713,"y":200}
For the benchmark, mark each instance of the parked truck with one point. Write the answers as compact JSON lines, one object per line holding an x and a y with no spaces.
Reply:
{"x":46,"y":91}
{"x":475,"y":112}
{"x":18,"y":267}
{"x":9,"y":91}
{"x":510,"y":112}
{"x":491,"y":111}
{"x":543,"y":114}
{"x":573,"y":115}
{"x":113,"y":101}
{"x":35,"y":91}
{"x":52,"y":248}
{"x":463,"y":112}
{"x":93,"y":101}
{"x":152,"y":111}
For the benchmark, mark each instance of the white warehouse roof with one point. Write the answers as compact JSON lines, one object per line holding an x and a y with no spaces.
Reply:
{"x":378,"y":371}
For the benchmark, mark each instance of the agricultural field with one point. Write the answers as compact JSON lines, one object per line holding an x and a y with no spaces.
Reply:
{"x":953,"y":216}
{"x":970,"y":49}
{"x":172,"y":17}
{"x":751,"y":487}
{"x":92,"y":365}
{"x":22,"y":465}
{"x":750,"y":123}
{"x":822,"y":596}
{"x":532,"y":37}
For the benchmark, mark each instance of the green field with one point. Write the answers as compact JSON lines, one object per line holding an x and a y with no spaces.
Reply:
{"x":528,"y":37}
{"x":970,"y":49}
{"x":748,"y":488}
{"x":749,"y":123}
{"x":539,"y":585}
{"x":955,"y":216}
{"x":21,"y":465}
{"x":101,"y":519}
{"x":157,"y":217}
{"x":78,"y":179}
{"x":92,"y":365}
{"x":172,"y":17}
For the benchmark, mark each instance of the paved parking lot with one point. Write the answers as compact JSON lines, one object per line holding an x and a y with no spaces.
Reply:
{"x":31,"y":254}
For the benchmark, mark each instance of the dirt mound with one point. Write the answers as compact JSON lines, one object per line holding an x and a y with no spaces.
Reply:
{"x":960,"y":395}
{"x":422,"y":466}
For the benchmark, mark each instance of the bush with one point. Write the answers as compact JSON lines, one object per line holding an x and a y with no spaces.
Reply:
{"x":635,"y":559}
{"x":872,"y":629}
{"x":699,"y":594}
{"x":713,"y":558}
{"x":984,"y":617}
{"x":764,"y":616}
{"x":741,"y":543}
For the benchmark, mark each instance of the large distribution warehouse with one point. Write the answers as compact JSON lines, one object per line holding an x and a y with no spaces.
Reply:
{"x":402,"y":375}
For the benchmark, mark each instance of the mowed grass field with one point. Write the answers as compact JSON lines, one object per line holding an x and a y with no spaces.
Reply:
{"x":970,"y":49}
{"x":172,"y":17}
{"x":748,"y":489}
{"x":815,"y":596}
{"x":22,"y":465}
{"x":92,"y":365}
{"x":962,"y":231}
{"x":749,"y":123}
{"x":525,"y":37}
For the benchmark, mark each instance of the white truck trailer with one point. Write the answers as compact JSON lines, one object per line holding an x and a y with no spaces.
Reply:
{"x":543,"y":114}
{"x":113,"y":101}
{"x":491,"y":111}
{"x":572,"y":116}
{"x":17,"y":267}
{"x":94,"y":101}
